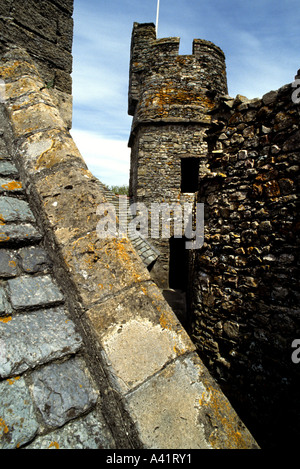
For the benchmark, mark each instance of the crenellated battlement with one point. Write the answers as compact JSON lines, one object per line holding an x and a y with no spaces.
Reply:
{"x":157,"y":70}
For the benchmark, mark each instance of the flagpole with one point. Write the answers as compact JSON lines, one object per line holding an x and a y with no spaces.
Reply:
{"x":157,"y":16}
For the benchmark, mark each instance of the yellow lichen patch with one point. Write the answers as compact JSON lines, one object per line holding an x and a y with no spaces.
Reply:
{"x":2,"y":221}
{"x":12,"y":185}
{"x":171,"y":95}
{"x":17,"y":69}
{"x":6,"y":320}
{"x":163,"y":321}
{"x":222,"y":414}
{"x":12,"y":381}
{"x":53,"y":444}
{"x":3,"y":427}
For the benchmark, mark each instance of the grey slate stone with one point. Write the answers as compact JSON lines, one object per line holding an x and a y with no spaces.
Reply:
{"x":8,"y":264}
{"x":27,"y":291}
{"x":15,"y":210}
{"x":34,"y":259}
{"x":18,"y":424}
{"x":8,"y":169}
{"x":89,"y":432}
{"x":63,"y":391}
{"x":30,"y":340}
{"x":5,"y":308}
{"x":15,"y":233}
{"x":10,"y":185}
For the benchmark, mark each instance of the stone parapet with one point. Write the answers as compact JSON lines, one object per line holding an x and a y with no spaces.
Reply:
{"x":44,"y":28}
{"x":155,"y":391}
{"x":44,"y":380}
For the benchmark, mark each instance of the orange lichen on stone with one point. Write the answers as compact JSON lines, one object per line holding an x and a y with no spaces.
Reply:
{"x":6,"y":319}
{"x":164,"y":322}
{"x":3,"y":427}
{"x":12,"y":381}
{"x":53,"y":444}
{"x":171,"y":95}
{"x":12,"y":185}
{"x":221,"y":411}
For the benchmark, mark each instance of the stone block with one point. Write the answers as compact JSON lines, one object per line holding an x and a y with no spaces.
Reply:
{"x":101,"y":268}
{"x":36,"y":117}
{"x":18,"y":424}
{"x":8,"y":169}
{"x":28,"y":292}
{"x":15,"y":210}
{"x":8,"y":264}
{"x":182,"y":407}
{"x":63,"y":391}
{"x":34,"y":259}
{"x":44,"y":150}
{"x":89,"y":432}
{"x":30,"y":340}
{"x":66,"y":192}
{"x":15,"y":233}
{"x":139,"y":334}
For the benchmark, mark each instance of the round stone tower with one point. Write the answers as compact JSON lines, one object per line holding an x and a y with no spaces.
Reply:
{"x":170,"y":98}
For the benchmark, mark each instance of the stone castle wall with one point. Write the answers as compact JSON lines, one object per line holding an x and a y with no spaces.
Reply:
{"x":148,"y":383}
{"x":243,"y":285}
{"x":44,"y":28}
{"x":245,"y":290}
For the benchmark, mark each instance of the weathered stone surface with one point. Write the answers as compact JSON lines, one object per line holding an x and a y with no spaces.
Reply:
{"x":8,"y":264}
{"x":183,"y":397}
{"x":139,"y":317}
{"x":101,"y":267}
{"x":34,"y":259}
{"x":98,"y":270}
{"x":63,"y":391}
{"x":18,"y":423}
{"x":89,"y":432}
{"x":5,"y":307}
{"x":251,"y":285}
{"x":27,"y":291}
{"x":48,"y":148}
{"x":77,"y":189}
{"x":19,"y":233}
{"x":30,"y":340}
{"x":12,"y":210}
{"x":8,"y":169}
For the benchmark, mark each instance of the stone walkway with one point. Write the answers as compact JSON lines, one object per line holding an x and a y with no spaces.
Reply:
{"x":47,"y":397}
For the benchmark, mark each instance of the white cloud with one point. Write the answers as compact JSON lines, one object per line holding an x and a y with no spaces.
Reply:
{"x":107,"y":159}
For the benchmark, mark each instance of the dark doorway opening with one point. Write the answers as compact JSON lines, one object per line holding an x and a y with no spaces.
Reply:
{"x":178,"y":266}
{"x":178,"y":278}
{"x":189,"y":174}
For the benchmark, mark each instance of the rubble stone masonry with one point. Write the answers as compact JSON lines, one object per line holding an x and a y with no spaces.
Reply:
{"x":244,"y":301}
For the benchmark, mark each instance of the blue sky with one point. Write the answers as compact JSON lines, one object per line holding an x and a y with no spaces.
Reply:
{"x":260,"y":39}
